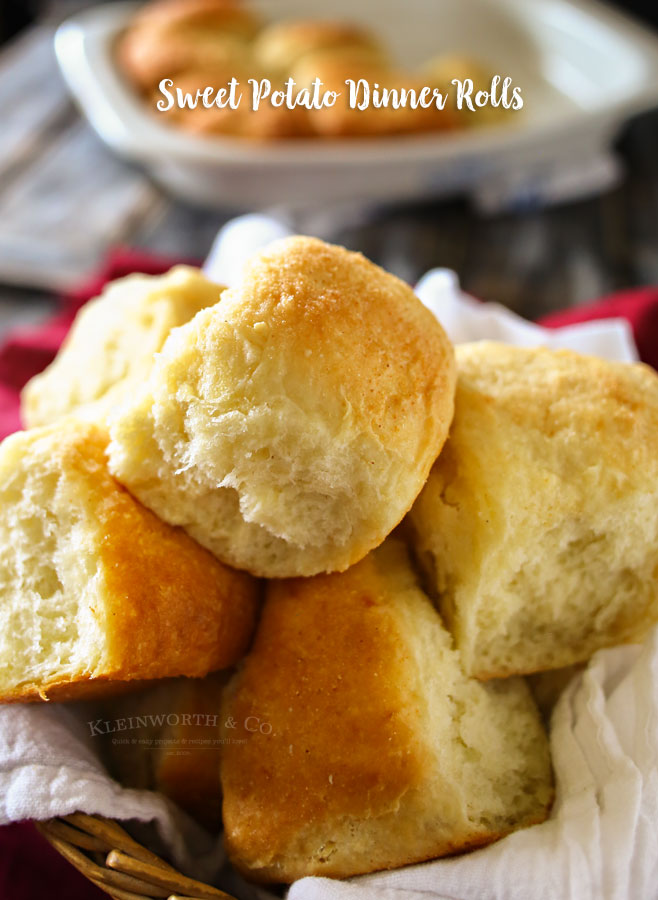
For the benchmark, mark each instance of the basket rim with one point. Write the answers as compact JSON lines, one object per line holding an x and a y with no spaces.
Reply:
{"x":102,"y":851}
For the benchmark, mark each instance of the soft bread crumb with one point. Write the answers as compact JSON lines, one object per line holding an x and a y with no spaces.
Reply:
{"x":538,"y":526}
{"x":381,"y":751}
{"x":279,"y":460}
{"x":94,"y":587}
{"x":110,"y":348}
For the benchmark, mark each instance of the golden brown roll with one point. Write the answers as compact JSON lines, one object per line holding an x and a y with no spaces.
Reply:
{"x":167,"y":738}
{"x":231,"y":16}
{"x":357,"y":741}
{"x":268,"y":122}
{"x":264,"y":124}
{"x":289,"y":428}
{"x":95,"y":588}
{"x":111,"y":346}
{"x":334,"y":68}
{"x":168,"y":37}
{"x":538,"y":526}
{"x":441,"y":71}
{"x":281,"y":46}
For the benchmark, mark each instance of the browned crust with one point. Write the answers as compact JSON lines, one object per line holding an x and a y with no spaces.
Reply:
{"x":314,"y":34}
{"x":170,"y":602}
{"x":336,"y":782}
{"x":145,"y":58}
{"x":82,"y":687}
{"x":334,"y":68}
{"x":265,"y":124}
{"x":228,"y":15}
{"x":329,"y":672}
{"x":167,"y":605}
{"x":387,"y":353}
{"x":163,"y":39}
{"x":318,"y":653}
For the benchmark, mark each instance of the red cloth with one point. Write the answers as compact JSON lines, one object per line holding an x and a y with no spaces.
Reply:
{"x":31,"y":869}
{"x":28,"y":864}
{"x":639,"y":306}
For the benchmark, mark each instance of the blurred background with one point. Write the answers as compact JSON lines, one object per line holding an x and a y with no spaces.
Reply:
{"x":66,"y":201}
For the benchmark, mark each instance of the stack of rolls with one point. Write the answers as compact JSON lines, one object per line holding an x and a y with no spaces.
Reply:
{"x":375,"y":713}
{"x":200,"y":44}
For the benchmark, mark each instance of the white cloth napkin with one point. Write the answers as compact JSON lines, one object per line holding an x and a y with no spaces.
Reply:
{"x":49,"y":767}
{"x":600,"y":842}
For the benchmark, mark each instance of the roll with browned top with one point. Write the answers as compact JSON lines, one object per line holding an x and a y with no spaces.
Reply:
{"x":282,"y":45}
{"x":355,"y":742}
{"x":289,"y":428}
{"x":95,"y":590}
{"x":112,"y":343}
{"x":168,"y":37}
{"x":538,"y":526}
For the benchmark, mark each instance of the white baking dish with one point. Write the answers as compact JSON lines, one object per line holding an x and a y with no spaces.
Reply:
{"x":583,"y":69}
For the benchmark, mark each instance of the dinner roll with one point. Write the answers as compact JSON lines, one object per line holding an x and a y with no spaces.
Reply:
{"x":95,"y":588}
{"x":167,"y":738}
{"x":538,"y":526}
{"x":230,"y":16}
{"x":266,"y":123}
{"x":357,"y":743}
{"x":168,"y":37}
{"x":146,"y":58}
{"x":335,"y":68}
{"x":281,"y":46}
{"x":110,"y":347}
{"x":289,"y":428}
{"x":442,"y":71}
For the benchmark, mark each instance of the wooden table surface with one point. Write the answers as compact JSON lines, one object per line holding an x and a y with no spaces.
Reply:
{"x":65,"y":199}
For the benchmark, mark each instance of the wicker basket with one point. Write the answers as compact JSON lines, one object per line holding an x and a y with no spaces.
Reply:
{"x":114,"y":862}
